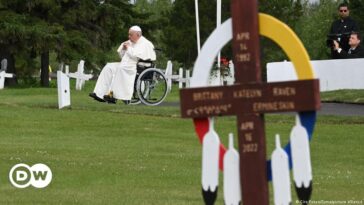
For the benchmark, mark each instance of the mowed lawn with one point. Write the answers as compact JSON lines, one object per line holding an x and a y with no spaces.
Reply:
{"x":117,"y":154}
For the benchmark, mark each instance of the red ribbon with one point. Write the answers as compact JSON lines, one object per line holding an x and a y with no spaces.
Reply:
{"x":201,"y":128}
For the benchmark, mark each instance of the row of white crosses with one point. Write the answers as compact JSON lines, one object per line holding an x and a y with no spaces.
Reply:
{"x":302,"y":171}
{"x":63,"y":83}
{"x":182,"y":79}
{"x":4,"y":74}
{"x":78,"y":75}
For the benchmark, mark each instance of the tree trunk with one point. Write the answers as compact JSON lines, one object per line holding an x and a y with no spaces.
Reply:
{"x":44,"y":72}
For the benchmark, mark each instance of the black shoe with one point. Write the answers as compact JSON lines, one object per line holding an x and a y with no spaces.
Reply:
{"x":126,"y":102}
{"x":94,"y":96}
{"x":109,"y":99}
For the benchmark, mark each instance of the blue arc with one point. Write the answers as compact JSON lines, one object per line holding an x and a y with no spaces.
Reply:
{"x":308,"y":120}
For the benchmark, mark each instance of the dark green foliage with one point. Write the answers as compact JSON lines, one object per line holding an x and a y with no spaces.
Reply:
{"x":152,"y":16}
{"x":85,"y":29}
{"x":357,"y":12}
{"x":180,"y":35}
{"x":310,"y":22}
{"x":287,"y":11}
{"x":314,"y":26}
{"x":73,"y":29}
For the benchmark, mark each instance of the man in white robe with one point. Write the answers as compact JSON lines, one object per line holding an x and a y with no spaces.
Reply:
{"x":116,"y":80}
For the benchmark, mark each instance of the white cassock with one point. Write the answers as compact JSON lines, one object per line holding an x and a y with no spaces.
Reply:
{"x":119,"y":77}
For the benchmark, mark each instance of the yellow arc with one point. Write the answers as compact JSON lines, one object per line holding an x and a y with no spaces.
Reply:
{"x":280,"y":33}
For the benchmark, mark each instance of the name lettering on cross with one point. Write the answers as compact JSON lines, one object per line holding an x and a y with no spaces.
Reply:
{"x":289,"y":96}
{"x":248,"y":99}
{"x":248,"y":93}
{"x":207,"y":96}
{"x":286,"y":91}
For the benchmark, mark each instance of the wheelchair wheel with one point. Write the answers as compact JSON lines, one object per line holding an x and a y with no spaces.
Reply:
{"x":151,"y":87}
{"x":135,"y":99}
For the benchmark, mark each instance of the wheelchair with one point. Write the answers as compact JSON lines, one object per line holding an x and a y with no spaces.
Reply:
{"x":150,"y":85}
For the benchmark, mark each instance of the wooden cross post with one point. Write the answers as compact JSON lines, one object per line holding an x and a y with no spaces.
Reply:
{"x":249,"y":99}
{"x":251,"y":139}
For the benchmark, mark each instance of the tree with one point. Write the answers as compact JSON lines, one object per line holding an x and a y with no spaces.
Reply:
{"x":179,"y":36}
{"x":152,"y":16}
{"x":73,"y":29}
{"x":314,"y":26}
{"x":287,"y":11}
{"x":357,"y":12}
{"x":24,"y":33}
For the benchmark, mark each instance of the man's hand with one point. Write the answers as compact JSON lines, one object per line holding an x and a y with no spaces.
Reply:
{"x":336,"y":45}
{"x":125,"y":45}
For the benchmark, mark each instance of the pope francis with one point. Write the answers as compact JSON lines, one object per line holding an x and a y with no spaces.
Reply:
{"x":116,"y":80}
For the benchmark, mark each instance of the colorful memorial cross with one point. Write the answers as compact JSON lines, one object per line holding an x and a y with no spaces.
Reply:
{"x":249,"y":99}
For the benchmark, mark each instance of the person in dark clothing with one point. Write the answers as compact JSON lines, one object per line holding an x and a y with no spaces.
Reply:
{"x":343,"y":27}
{"x":355,"y":51}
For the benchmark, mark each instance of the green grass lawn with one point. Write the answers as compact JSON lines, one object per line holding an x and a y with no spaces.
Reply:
{"x":118,"y":154}
{"x":345,"y":96}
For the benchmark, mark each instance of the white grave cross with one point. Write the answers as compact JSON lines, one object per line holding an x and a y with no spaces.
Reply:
{"x":64,"y":91}
{"x":80,"y":76}
{"x":3,"y":74}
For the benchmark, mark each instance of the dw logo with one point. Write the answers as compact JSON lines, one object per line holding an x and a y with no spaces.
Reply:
{"x":39,"y":175}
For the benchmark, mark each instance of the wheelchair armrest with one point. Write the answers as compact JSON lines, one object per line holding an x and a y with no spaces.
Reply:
{"x":145,"y":63}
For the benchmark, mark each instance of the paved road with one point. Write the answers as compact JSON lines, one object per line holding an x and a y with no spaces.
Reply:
{"x":342,"y":109}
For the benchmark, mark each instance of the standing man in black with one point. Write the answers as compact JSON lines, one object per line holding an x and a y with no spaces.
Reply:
{"x":343,"y":27}
{"x":355,"y":51}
